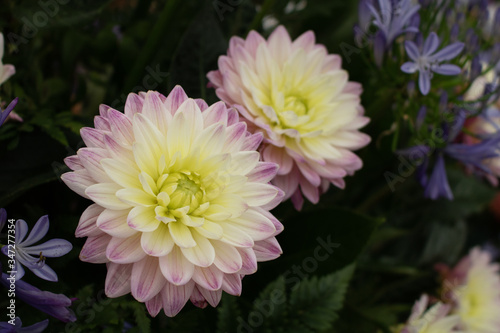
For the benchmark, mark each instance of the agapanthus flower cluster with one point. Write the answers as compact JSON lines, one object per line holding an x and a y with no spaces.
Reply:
{"x":299,"y":97}
{"x":55,"y":305}
{"x":456,"y":68}
{"x":181,"y":200}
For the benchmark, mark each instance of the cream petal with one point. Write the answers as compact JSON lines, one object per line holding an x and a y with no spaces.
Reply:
{"x":125,"y":250}
{"x":121,"y":127}
{"x":146,"y":280}
{"x":235,"y":236}
{"x":279,"y":43}
{"x":197,"y":298}
{"x":94,"y":250}
{"x":231,"y":284}
{"x":92,"y":137}
{"x":73,"y":162}
{"x":175,"y":297}
{"x":202,"y":254}
{"x":212,"y":297}
{"x":249,"y":261}
{"x":136,"y":197}
{"x":257,"y":194}
{"x":121,"y":173}
{"x":268,"y":249}
{"x":78,"y":181}
{"x":254,"y":224}
{"x":156,"y":111}
{"x":208,"y":277}
{"x":175,"y":99}
{"x":264,"y":172}
{"x":143,"y":219}
{"x":133,"y":105}
{"x":243,"y":162}
{"x":104,"y":194}
{"x":87,"y":226}
{"x":114,"y":223}
{"x":154,"y":305}
{"x":210,"y":230}
{"x":227,"y":258}
{"x":118,"y":280}
{"x":181,"y":235}
{"x":215,"y":114}
{"x":176,"y":268}
{"x":157,"y":243}
{"x":91,"y":160}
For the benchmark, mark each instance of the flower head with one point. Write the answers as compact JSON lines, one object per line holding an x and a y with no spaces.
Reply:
{"x":297,"y":95}
{"x":55,"y":305}
{"x":6,"y":71}
{"x":34,"y":256}
{"x":473,"y":287}
{"x":434,"y":320}
{"x":181,"y":200}
{"x":427,"y":60}
{"x":393,"y":17}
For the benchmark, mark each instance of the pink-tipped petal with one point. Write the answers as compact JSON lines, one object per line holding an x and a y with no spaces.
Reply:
{"x":146,"y":280}
{"x":118,"y":280}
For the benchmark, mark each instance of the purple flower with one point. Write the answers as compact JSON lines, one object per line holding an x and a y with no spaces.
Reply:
{"x":428,"y":60}
{"x":55,"y":305}
{"x":25,"y":251}
{"x":5,"y":113}
{"x":393,"y":17}
{"x":437,"y":185}
{"x":18,"y":327}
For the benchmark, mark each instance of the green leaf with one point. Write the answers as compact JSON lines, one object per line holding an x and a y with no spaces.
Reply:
{"x":314,"y":302}
{"x":228,"y":312}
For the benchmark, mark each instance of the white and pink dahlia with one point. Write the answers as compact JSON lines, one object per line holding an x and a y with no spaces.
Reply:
{"x":435,"y":319}
{"x":473,"y":287}
{"x":299,"y":97}
{"x":181,"y":200}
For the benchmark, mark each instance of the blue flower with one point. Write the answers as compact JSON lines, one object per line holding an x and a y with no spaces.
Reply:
{"x":5,"y":113}
{"x":55,"y":305}
{"x":472,"y":156}
{"x":428,"y":60}
{"x":18,"y":327}
{"x":33,"y":256}
{"x":393,"y":18}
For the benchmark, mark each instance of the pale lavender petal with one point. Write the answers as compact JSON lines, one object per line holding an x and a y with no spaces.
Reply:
{"x":449,"y":52}
{"x":412,"y":50}
{"x":409,"y":67}
{"x":431,"y":44}
{"x":424,"y":82}
{"x":446,"y":69}
{"x":53,"y":248}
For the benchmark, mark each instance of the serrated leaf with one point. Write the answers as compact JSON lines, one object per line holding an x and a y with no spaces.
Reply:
{"x":315,"y":302}
{"x":141,"y":318}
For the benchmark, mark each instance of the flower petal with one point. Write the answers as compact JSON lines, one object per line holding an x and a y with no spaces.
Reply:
{"x":146,"y":280}
{"x":118,"y":280}
{"x":176,"y":268}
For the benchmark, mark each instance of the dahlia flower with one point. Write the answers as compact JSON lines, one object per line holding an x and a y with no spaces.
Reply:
{"x":181,"y":200}
{"x":473,"y":286}
{"x":297,"y":95}
{"x":434,"y":320}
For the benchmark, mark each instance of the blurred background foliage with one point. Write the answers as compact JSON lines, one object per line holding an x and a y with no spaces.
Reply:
{"x":88,"y":52}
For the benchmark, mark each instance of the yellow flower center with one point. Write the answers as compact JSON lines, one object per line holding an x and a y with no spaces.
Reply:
{"x":296,"y":104}
{"x":180,"y":193}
